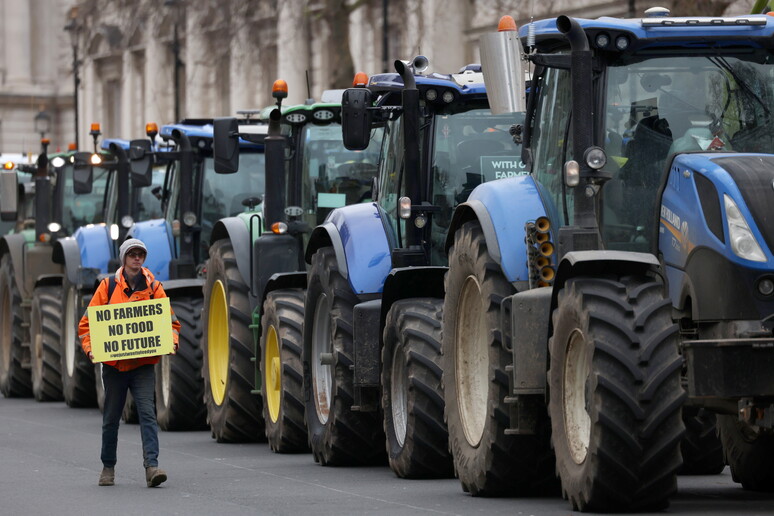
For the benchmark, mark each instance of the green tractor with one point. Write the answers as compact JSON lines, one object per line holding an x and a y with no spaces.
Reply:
{"x":308,"y":174}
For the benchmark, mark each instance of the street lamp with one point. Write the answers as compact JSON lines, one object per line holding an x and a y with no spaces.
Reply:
{"x":74,"y":29}
{"x":42,"y":123}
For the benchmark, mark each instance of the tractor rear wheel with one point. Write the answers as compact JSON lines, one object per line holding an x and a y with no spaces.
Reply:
{"x":15,"y":379}
{"x":412,"y":396}
{"x":45,"y":331}
{"x":748,"y":452}
{"x":487,"y":461}
{"x":282,"y":370}
{"x":615,"y":394}
{"x":78,"y":379}
{"x":337,"y":435}
{"x":233,"y":411}
{"x":701,"y":447}
{"x":179,"y":382}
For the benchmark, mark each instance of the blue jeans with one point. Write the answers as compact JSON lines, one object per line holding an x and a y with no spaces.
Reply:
{"x":142,"y":383}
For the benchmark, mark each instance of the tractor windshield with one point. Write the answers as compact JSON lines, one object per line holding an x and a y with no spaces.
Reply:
{"x":222,"y":195}
{"x":659,"y":106}
{"x":332,"y":175}
{"x":81,"y":209}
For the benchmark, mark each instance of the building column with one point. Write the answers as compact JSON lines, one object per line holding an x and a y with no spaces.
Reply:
{"x":198,"y":72}
{"x":292,"y":51}
{"x":159,"y":79}
{"x":17,"y":44}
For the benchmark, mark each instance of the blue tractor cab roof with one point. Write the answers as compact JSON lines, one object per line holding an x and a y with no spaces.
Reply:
{"x":434,"y":88}
{"x":201,"y":133}
{"x":628,"y":35}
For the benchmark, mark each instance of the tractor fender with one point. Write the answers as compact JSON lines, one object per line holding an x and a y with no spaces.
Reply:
{"x":358,"y":238}
{"x":193,"y":287}
{"x":406,"y":282}
{"x":95,"y":246}
{"x":502,"y":207}
{"x":283,"y":280}
{"x":13,"y":245}
{"x":67,"y":253}
{"x":49,"y":280}
{"x":577,"y":263}
{"x":235,"y":230}
{"x":157,"y":235}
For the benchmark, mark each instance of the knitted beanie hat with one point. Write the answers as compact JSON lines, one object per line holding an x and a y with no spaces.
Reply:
{"x":129,"y":244}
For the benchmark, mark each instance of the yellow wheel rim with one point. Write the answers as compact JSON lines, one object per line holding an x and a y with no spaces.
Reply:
{"x":273,"y":375}
{"x":218,"y":342}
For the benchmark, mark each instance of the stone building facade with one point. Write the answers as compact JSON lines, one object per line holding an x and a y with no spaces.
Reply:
{"x":35,"y":74}
{"x":161,"y":60}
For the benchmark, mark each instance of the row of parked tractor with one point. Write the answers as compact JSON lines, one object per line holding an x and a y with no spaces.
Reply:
{"x":563,"y":283}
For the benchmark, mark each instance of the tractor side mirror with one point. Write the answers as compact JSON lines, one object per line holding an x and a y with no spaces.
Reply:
{"x":141,"y":162}
{"x":226,"y":145}
{"x":9,"y":195}
{"x":83,"y":173}
{"x":355,"y":118}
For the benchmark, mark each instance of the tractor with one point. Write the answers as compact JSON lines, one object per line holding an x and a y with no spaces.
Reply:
{"x":256,"y":275}
{"x":55,"y":202}
{"x":372,"y":343}
{"x":629,"y":278}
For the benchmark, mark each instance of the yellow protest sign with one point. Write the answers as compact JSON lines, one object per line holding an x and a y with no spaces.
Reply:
{"x":131,"y":330}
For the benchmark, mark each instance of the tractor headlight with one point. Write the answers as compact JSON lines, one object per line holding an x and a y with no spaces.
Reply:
{"x":189,"y":218}
{"x":743,"y":241}
{"x":54,"y":227}
{"x":404,"y":208}
{"x":114,"y":232}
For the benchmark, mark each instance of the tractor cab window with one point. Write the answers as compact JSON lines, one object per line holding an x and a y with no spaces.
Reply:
{"x":223,"y":194}
{"x":146,"y":201}
{"x":470,"y":147}
{"x":391,"y":180}
{"x":660,"y":106}
{"x":332,"y":175}
{"x":82,"y":209}
{"x":553,"y":143}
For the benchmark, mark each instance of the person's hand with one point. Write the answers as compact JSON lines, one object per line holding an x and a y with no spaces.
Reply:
{"x":91,"y":357}
{"x":176,"y":346}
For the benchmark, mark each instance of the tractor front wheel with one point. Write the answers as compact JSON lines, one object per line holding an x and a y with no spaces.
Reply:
{"x":282,"y":371}
{"x":412,"y":396}
{"x":615,"y":394}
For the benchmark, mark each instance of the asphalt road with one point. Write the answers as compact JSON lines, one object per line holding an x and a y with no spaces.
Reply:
{"x":49,"y":465}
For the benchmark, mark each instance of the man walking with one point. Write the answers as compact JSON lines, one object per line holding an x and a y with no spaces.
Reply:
{"x":132,"y":282}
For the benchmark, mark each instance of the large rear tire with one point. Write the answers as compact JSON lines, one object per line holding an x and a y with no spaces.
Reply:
{"x":412,"y":395}
{"x":615,"y":394}
{"x":179,"y":382}
{"x":748,"y":452}
{"x":45,"y":332}
{"x":233,"y":411}
{"x":77,"y":371}
{"x":487,"y":461}
{"x":701,"y":447}
{"x":15,"y":379}
{"x":337,"y":435}
{"x":282,"y":371}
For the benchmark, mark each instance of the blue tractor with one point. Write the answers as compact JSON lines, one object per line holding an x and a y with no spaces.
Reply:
{"x":629,"y":278}
{"x":91,"y":253}
{"x":372,"y":354}
{"x":194,"y":197}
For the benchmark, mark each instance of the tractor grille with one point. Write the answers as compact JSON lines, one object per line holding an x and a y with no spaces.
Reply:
{"x":754,"y":175}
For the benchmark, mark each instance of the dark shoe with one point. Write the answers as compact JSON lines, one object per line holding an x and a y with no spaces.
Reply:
{"x":155,"y":476}
{"x":107,"y":477}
